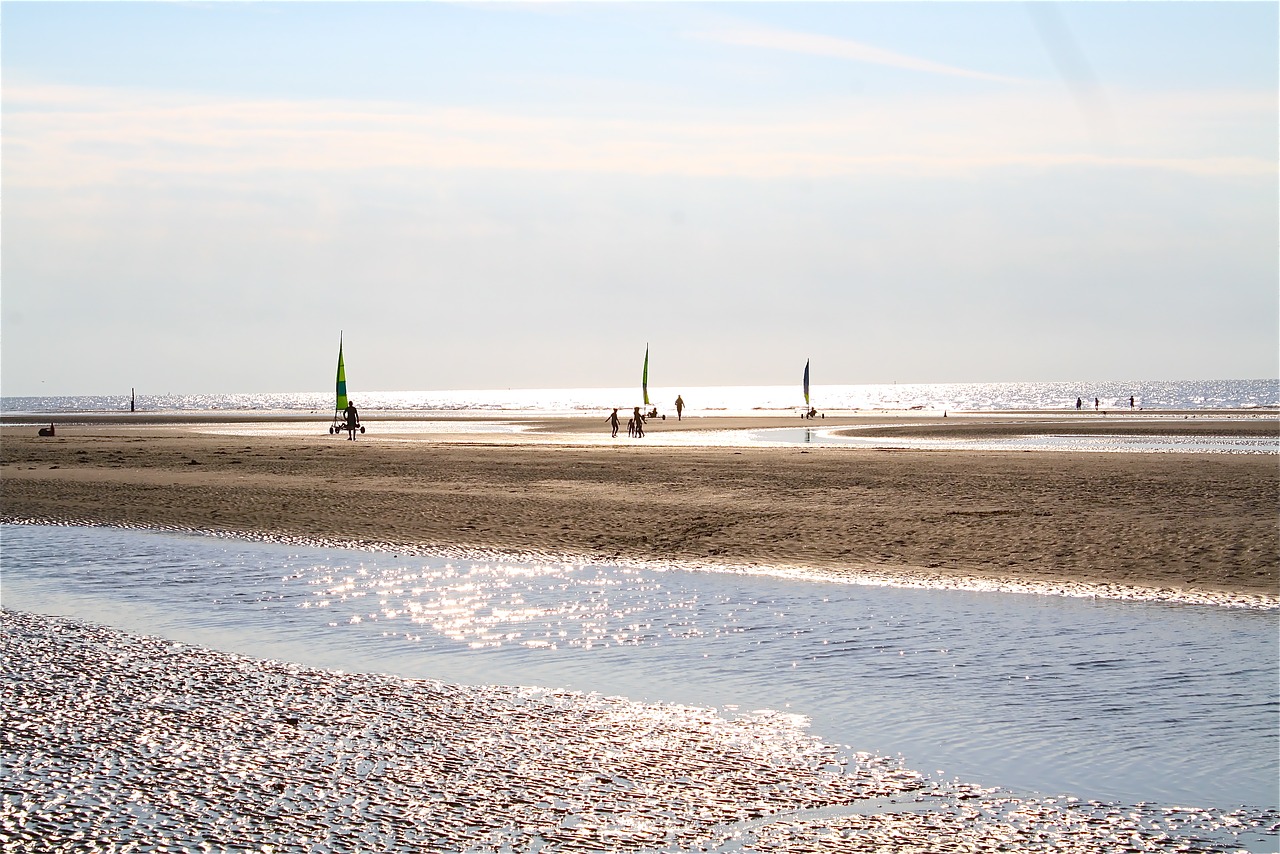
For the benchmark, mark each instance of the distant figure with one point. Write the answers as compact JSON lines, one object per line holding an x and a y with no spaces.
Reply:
{"x":653,"y":413}
{"x":639,"y":418}
{"x":631,"y":428}
{"x":1131,"y":401}
{"x":353,"y":419}
{"x":133,"y":400}
{"x":613,"y":422}
{"x":1095,"y":404}
{"x":47,"y":431}
{"x":813,"y":413}
{"x":1079,"y":403}
{"x":679,"y":407}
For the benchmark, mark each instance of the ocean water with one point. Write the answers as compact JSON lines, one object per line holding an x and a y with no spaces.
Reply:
{"x":1151,"y":395}
{"x":1098,"y":699}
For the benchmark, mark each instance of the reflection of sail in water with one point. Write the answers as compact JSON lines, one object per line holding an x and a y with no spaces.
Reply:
{"x":808,"y":435}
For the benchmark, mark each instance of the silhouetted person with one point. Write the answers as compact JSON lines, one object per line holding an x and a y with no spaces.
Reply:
{"x":639,"y":418}
{"x":1079,"y":403}
{"x":1095,"y":404}
{"x":1131,"y":401}
{"x":679,"y":406}
{"x":613,"y":422}
{"x":353,"y":419}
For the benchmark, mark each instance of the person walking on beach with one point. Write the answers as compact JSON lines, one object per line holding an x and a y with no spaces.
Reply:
{"x":613,"y":422}
{"x":1079,"y":403}
{"x":639,"y":417}
{"x":679,"y":406}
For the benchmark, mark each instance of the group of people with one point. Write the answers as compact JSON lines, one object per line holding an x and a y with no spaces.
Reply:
{"x":1097,"y":403}
{"x":635,"y":424}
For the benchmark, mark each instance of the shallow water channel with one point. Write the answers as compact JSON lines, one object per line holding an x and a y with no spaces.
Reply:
{"x":1100,"y":699}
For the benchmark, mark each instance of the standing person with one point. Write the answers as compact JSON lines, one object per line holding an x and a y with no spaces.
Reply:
{"x":639,"y":423}
{"x":353,"y":419}
{"x":1131,"y":401}
{"x":1079,"y":403}
{"x":679,"y":406}
{"x":1095,"y":404}
{"x":613,"y":422}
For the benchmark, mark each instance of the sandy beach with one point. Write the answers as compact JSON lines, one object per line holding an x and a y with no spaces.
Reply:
{"x":1175,"y":522}
{"x":132,"y":740}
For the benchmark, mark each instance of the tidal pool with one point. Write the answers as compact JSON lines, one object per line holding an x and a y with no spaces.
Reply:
{"x":1094,"y":698}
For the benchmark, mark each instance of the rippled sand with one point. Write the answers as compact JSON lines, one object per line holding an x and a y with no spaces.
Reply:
{"x":113,"y":741}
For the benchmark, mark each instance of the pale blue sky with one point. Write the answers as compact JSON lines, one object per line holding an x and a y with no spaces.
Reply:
{"x":198,"y":197}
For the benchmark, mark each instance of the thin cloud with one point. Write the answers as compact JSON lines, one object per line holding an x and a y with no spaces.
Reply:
{"x":818,"y":45}
{"x":61,"y":137}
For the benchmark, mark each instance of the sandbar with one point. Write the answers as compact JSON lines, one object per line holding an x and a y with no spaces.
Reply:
{"x":1179,"y":523}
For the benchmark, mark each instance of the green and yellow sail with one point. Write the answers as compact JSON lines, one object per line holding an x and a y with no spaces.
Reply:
{"x":644,"y":378}
{"x":342,"y":380}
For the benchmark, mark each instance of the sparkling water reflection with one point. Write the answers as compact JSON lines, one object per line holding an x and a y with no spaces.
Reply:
{"x":1095,"y":698}
{"x":1149,"y":395}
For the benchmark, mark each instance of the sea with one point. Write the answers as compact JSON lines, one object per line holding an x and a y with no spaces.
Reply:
{"x":1149,"y":395}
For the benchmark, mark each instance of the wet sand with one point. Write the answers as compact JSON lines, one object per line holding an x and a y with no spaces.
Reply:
{"x":122,"y":742}
{"x":1177,"y":524}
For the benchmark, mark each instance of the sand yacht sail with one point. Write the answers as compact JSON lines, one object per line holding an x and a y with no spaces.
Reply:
{"x":340,"y":403}
{"x":806,"y":384}
{"x":644,"y":377}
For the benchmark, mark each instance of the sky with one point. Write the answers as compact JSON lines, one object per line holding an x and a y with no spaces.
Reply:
{"x":201,"y":197}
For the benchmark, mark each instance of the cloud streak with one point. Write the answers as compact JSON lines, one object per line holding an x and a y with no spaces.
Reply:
{"x":811,"y":44}
{"x":77,"y":137}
